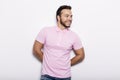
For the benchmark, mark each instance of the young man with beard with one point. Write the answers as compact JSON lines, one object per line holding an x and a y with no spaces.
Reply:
{"x":54,"y":44}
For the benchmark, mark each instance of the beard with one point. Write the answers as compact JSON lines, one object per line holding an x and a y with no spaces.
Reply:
{"x":64,"y":23}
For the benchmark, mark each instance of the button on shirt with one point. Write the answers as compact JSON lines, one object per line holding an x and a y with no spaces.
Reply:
{"x":56,"y":51}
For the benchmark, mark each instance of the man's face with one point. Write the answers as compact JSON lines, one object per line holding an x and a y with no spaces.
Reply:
{"x":65,"y":18}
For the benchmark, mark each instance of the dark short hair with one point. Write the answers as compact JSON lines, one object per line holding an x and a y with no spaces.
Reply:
{"x":58,"y":12}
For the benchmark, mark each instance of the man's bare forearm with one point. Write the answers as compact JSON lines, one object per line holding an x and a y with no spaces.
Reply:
{"x":37,"y":50}
{"x":39,"y":55}
{"x":76,"y":59}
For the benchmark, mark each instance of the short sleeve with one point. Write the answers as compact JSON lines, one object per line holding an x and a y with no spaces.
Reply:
{"x":77,"y":43}
{"x":41,"y":36}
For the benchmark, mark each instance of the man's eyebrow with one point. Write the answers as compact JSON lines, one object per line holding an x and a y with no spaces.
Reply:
{"x":69,"y":14}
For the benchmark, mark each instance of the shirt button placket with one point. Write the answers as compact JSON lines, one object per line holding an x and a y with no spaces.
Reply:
{"x":59,"y":38}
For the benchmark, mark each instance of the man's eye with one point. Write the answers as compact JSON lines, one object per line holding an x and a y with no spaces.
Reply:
{"x":66,"y":15}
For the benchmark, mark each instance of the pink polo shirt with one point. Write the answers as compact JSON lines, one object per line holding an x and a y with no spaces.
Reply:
{"x":57,"y":47}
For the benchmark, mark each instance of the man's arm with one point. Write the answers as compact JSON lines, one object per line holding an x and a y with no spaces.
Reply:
{"x":37,"y":50}
{"x":79,"y":56}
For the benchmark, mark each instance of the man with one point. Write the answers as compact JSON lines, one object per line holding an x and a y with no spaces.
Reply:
{"x":54,"y":44}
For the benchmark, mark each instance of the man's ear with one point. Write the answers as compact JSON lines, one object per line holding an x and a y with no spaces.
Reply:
{"x":58,"y":18}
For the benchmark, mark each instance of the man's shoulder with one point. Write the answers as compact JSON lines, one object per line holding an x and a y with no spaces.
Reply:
{"x":72,"y":32}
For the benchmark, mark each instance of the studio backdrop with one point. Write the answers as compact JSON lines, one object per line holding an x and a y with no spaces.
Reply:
{"x":97,"y":22}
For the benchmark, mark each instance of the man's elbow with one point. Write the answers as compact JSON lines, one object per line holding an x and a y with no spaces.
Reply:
{"x":34,"y":51}
{"x":82,"y":57}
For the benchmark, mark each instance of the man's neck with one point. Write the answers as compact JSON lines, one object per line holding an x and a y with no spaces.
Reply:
{"x":61,"y":27}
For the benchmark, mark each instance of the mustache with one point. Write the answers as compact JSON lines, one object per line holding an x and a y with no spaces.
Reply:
{"x":69,"y":21}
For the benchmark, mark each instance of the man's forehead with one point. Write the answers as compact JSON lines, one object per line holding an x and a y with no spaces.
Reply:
{"x":66,"y":11}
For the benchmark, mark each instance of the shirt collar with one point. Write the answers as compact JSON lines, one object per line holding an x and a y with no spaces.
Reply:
{"x":59,"y":30}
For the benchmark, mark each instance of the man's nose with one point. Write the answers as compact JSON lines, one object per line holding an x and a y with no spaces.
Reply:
{"x":70,"y":18}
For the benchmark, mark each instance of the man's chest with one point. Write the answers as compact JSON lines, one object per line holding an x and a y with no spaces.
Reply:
{"x":59,"y":40}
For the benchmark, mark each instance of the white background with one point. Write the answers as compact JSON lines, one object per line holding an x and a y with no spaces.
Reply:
{"x":97,"y":22}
